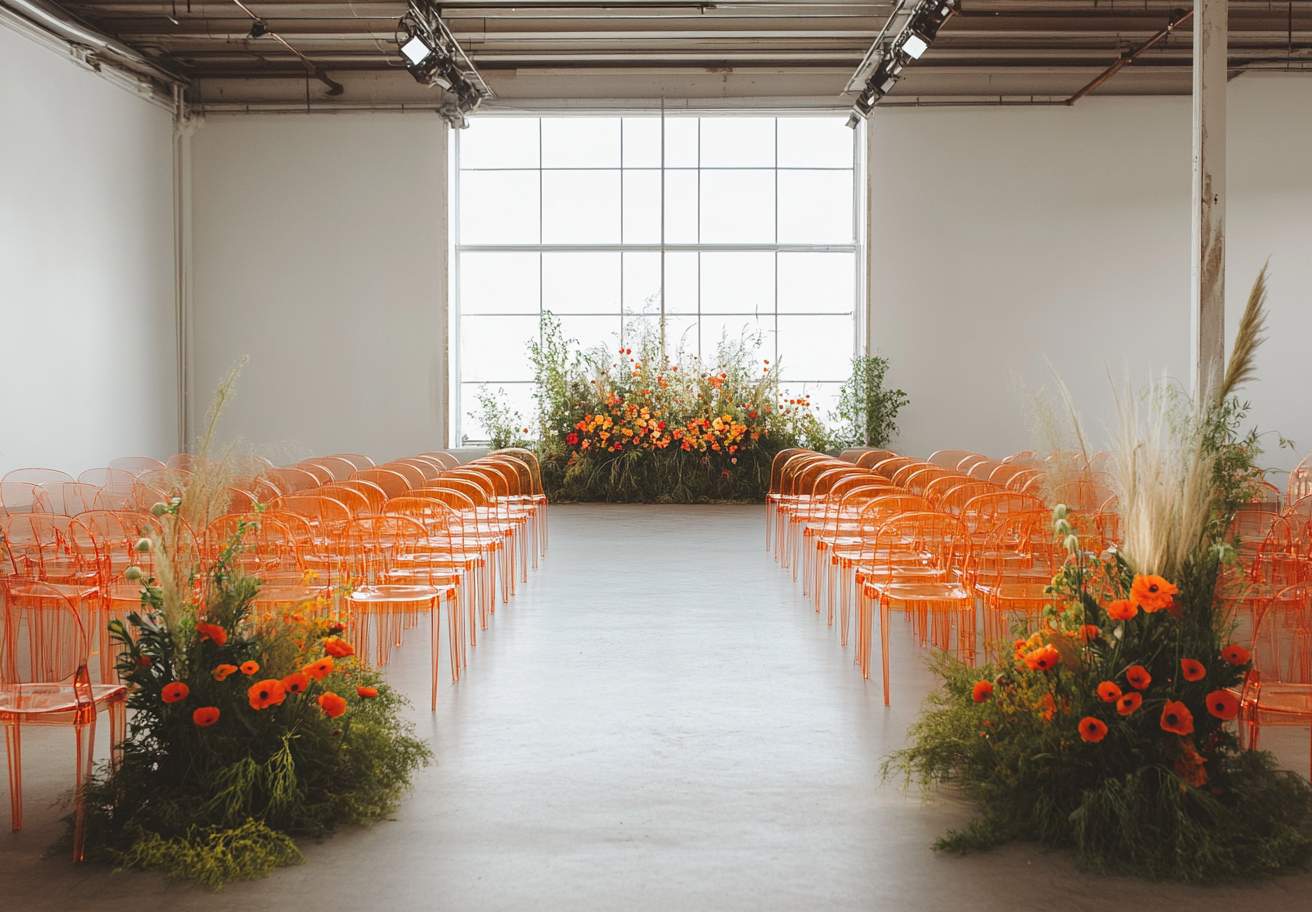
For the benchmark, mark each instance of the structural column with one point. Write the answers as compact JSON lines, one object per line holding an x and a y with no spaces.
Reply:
{"x":1207,"y":251}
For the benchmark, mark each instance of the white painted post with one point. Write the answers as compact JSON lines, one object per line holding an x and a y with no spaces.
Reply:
{"x":1211,"y":38}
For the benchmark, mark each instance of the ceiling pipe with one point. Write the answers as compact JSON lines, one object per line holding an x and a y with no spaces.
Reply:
{"x":1177,"y":18}
{"x":55,"y":20}
{"x":311,"y":68}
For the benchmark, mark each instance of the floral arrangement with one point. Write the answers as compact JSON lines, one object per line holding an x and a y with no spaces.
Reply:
{"x":247,"y":728}
{"x":1107,"y":729}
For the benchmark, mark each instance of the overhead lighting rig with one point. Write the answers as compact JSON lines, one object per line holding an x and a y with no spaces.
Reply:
{"x":434,"y":58}
{"x":888,"y":57}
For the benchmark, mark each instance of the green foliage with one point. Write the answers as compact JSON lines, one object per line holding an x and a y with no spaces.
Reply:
{"x":505,"y":426}
{"x":226,"y":797}
{"x":867,"y":412}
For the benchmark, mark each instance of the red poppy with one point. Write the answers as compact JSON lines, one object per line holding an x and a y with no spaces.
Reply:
{"x":1235,"y":655}
{"x":174,"y":692}
{"x":1138,"y":677}
{"x":1092,"y":730}
{"x":1192,"y":670}
{"x":1109,"y":692}
{"x":1177,"y":718}
{"x":205,"y":716}
{"x":572,"y":439}
{"x":1089,"y":632}
{"x":1122,"y":610}
{"x":212,"y":632}
{"x":223,"y":671}
{"x":337,"y":648}
{"x":332,"y":704}
{"x":249,"y":668}
{"x":1223,"y":704}
{"x":266,"y":693}
{"x":1043,"y":659}
{"x":1152,"y":593}
{"x":1127,"y":704}
{"x":320,"y":669}
{"x":983,"y":690}
{"x":296,"y":683}
{"x":367,"y":692}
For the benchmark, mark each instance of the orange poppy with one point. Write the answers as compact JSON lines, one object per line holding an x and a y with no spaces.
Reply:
{"x":249,"y":668}
{"x":174,"y":692}
{"x":1089,"y":632}
{"x":1235,"y":655}
{"x":1138,"y":677}
{"x":223,"y":671}
{"x":1192,"y":670}
{"x":1222,"y":704}
{"x":320,"y":669}
{"x":1092,"y":730}
{"x":1127,"y":704}
{"x":266,"y":693}
{"x":332,"y":704}
{"x":1177,"y":718}
{"x":296,"y":683}
{"x":1047,"y":707}
{"x":205,"y":716}
{"x":367,"y":692}
{"x":1044,"y":659}
{"x":1109,"y":692}
{"x":983,"y":690}
{"x":338,"y":648}
{"x":1152,"y":593}
{"x":1121,"y":610}
{"x":212,"y":632}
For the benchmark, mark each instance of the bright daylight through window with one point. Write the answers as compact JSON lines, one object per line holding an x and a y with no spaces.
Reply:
{"x":725,"y":225}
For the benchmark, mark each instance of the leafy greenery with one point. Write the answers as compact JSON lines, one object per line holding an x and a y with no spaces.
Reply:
{"x":867,"y":412}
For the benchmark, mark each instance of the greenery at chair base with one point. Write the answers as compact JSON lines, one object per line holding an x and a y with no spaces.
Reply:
{"x":248,"y":727}
{"x":645,"y":427}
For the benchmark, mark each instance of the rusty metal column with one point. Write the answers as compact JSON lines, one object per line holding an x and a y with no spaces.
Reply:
{"x":1207,"y":251}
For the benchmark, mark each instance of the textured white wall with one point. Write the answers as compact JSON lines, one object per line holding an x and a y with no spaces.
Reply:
{"x":1006,"y":235}
{"x":88,"y":365}
{"x":319,"y":252}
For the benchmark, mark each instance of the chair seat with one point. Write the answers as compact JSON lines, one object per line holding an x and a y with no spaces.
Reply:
{"x":903,"y":590}
{"x":54,"y":704}
{"x":395,"y":592}
{"x":1276,"y":700}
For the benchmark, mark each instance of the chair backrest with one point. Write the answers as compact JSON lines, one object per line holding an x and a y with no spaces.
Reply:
{"x":291,"y":480}
{"x":981,"y":514}
{"x":373,"y":495}
{"x":777,"y":464}
{"x":115,"y":479}
{"x":870,"y":458}
{"x":526,"y":456}
{"x":429,"y":511}
{"x":1282,"y":629}
{"x":357,"y":460}
{"x":428,"y":468}
{"x":37,"y":476}
{"x":325,"y":514}
{"x":984,"y":468}
{"x":956,"y":493}
{"x":69,"y":497}
{"x":46,"y":639}
{"x":135,"y":464}
{"x":240,"y":500}
{"x":352,"y":499}
{"x":450,"y":462}
{"x":949,"y":459}
{"x":1023,"y":458}
{"x":372,"y":546}
{"x":971,"y":461}
{"x":341,"y":467}
{"x":890,"y":466}
{"x":20,"y":497}
{"x":322,"y":474}
{"x":935,"y":539}
{"x":916,"y":482}
{"x":169,"y":480}
{"x":393,"y":483}
{"x":413,"y":476}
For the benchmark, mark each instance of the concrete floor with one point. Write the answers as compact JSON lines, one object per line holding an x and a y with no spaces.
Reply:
{"x":658,"y":721}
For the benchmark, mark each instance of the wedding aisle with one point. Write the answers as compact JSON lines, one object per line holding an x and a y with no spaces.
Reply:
{"x":658,"y":721}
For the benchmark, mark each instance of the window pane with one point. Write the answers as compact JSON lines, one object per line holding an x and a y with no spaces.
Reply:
{"x":580,"y":142}
{"x":817,"y":282}
{"x":498,"y":207}
{"x":823,"y":396}
{"x":580,"y":207}
{"x":680,"y":207}
{"x":499,"y":142}
{"x":681,"y":142}
{"x":642,"y":283}
{"x":499,"y":283}
{"x":681,"y":335}
{"x":737,"y":142}
{"x":757,"y":335}
{"x":737,"y":207}
{"x":815,"y":207}
{"x":737,"y":283}
{"x":642,"y":207}
{"x":680,"y":282}
{"x":495,"y":348}
{"x":815,"y":348}
{"x":642,"y":142}
{"x":593,"y":332}
{"x":519,"y":396}
{"x":574,"y":283}
{"x":814,"y":142}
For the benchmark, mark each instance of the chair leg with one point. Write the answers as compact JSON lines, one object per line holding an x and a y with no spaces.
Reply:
{"x":14,"y":749}
{"x":885,"y":621}
{"x":86,"y":742}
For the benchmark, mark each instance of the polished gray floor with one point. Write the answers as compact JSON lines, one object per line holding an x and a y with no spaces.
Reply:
{"x":658,"y":721}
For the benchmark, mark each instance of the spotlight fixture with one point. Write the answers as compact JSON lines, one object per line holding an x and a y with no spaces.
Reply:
{"x":886,"y":59}
{"x":433,"y":58}
{"x":258,"y":28}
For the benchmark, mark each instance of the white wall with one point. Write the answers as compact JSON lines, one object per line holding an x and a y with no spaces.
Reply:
{"x":88,"y":364}
{"x":1006,"y":235}
{"x":319,"y":252}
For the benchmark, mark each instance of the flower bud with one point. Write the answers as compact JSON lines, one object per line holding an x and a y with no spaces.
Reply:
{"x":144,"y":545}
{"x":1072,"y":543}
{"x":132,"y":574}
{"x":1059,"y":512}
{"x":159,"y":509}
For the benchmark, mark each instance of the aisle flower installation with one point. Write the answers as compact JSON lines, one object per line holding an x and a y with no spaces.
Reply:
{"x":639,"y":425}
{"x":248,"y":726}
{"x":1111,"y":730}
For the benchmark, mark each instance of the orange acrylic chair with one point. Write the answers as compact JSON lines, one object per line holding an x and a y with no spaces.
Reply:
{"x":135,"y":464}
{"x":37,"y":476}
{"x":394,"y":484}
{"x":870,"y":458}
{"x":450,"y":462}
{"x":1278,"y":688}
{"x":44,"y":681}
{"x":775,"y":491}
{"x":357,"y":460}
{"x":291,"y":480}
{"x":529,"y":459}
{"x":950,"y":459}
{"x":322,"y":474}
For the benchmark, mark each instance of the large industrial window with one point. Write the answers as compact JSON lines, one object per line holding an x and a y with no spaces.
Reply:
{"x":723,"y":225}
